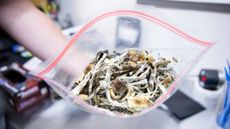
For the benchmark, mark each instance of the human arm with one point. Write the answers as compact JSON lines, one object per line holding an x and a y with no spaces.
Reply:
{"x":30,"y":27}
{"x":34,"y":30}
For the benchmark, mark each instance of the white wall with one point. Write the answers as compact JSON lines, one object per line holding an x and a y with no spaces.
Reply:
{"x":213,"y":22}
{"x":81,"y":9}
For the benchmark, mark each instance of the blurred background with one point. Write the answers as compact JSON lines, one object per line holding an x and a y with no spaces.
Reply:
{"x":200,"y":101}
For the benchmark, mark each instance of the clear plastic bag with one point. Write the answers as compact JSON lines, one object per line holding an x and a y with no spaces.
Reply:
{"x":119,"y":30}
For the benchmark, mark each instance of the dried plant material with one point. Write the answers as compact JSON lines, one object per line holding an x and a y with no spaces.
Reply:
{"x":125,"y":82}
{"x":138,"y":103}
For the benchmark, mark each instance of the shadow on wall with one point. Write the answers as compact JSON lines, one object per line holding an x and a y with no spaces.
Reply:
{"x":222,"y":8}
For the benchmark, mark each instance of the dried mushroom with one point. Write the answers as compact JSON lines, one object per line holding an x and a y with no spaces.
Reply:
{"x":125,"y":82}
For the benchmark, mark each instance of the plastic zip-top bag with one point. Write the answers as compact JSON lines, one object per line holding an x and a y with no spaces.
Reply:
{"x":123,"y":62}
